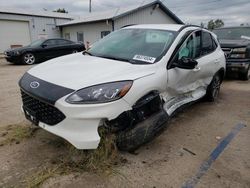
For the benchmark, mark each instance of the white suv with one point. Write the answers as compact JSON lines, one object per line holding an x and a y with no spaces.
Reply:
{"x":131,"y":82}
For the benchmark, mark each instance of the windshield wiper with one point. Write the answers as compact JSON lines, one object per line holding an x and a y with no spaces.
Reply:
{"x":86,"y":52}
{"x":115,"y":58}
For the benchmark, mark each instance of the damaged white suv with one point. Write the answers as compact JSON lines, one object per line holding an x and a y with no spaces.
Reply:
{"x":130,"y":82}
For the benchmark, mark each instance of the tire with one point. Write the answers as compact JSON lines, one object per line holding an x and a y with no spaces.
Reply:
{"x":28,"y":59}
{"x":214,"y":88}
{"x":245,"y":75}
{"x":143,"y":132}
{"x":74,"y":51}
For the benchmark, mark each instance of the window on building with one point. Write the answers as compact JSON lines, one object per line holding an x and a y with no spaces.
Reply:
{"x":80,"y":37}
{"x":67,"y":36}
{"x":104,"y":33}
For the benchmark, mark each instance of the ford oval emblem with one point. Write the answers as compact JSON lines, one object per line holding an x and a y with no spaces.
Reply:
{"x":34,"y":85}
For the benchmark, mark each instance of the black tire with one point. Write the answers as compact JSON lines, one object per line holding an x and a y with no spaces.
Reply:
{"x":214,"y":88}
{"x":143,"y":132}
{"x":245,"y":75}
{"x":28,"y":59}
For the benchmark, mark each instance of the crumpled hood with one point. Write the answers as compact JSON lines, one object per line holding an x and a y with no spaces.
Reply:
{"x":77,"y":71}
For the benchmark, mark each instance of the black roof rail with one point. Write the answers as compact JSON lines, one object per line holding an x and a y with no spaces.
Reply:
{"x":128,"y":25}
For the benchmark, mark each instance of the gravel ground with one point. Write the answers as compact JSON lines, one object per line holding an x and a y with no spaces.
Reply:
{"x":160,"y":163}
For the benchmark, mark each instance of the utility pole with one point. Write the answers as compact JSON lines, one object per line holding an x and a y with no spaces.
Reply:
{"x":90,"y":6}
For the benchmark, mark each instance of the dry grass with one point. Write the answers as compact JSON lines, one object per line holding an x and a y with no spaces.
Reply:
{"x":16,"y":133}
{"x":100,"y":161}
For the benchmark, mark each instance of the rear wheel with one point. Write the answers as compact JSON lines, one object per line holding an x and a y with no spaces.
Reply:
{"x":214,"y":88}
{"x":29,"y":59}
{"x":245,"y":75}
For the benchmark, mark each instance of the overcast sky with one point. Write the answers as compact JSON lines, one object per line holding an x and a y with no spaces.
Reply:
{"x":232,"y":12}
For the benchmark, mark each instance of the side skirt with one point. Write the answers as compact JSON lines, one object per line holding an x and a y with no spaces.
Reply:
{"x":173,"y":104}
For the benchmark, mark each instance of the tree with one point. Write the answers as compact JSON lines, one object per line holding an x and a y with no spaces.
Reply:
{"x":61,"y":10}
{"x":211,"y":25}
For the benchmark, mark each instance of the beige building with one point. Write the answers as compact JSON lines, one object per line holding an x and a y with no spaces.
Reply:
{"x":94,"y":26}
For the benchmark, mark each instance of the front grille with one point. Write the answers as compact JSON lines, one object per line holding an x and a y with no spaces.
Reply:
{"x":227,"y":51}
{"x":42,"y":111}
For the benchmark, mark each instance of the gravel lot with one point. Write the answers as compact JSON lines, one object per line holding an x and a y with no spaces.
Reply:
{"x":161,"y":163}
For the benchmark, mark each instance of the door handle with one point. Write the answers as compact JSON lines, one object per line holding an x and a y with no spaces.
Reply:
{"x":196,"y":69}
{"x":217,"y":61}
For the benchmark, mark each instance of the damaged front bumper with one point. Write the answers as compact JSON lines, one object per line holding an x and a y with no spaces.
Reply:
{"x":81,"y":122}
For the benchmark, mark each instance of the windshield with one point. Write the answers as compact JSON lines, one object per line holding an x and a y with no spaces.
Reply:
{"x":134,"y":45}
{"x":37,"y":43}
{"x":232,"y":33}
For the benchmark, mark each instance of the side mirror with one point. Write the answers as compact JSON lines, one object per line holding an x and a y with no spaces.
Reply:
{"x":44,"y":45}
{"x":185,"y":63}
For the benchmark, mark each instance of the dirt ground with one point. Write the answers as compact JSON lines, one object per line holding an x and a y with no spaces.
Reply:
{"x":160,"y":163}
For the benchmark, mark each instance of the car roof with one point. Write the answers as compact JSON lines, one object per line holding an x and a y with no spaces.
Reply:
{"x":169,"y":27}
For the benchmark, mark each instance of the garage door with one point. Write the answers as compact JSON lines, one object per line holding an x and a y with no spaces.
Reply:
{"x":13,"y":33}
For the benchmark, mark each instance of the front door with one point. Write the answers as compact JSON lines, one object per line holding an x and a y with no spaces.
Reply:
{"x":183,"y":81}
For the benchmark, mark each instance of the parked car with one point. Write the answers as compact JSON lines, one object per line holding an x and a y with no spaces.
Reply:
{"x":42,"y":50}
{"x":130,"y":82}
{"x":235,"y":42}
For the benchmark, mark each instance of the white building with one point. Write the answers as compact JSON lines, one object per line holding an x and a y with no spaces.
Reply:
{"x":94,"y":26}
{"x":20,"y":27}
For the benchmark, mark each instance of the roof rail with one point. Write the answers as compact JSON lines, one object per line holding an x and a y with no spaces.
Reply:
{"x":186,"y":26}
{"x":128,"y":25}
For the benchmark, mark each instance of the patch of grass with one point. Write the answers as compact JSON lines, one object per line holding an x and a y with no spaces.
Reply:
{"x":16,"y":133}
{"x":100,"y":161}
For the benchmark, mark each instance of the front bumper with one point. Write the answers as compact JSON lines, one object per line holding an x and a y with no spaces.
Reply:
{"x":237,"y":65}
{"x":13,"y":59}
{"x":80,"y":126}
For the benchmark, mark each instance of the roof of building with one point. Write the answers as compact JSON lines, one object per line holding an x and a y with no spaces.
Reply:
{"x":40,"y":13}
{"x":120,"y":12}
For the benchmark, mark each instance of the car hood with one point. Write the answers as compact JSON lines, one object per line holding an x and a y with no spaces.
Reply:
{"x":18,"y":49}
{"x":77,"y":71}
{"x":234,"y":43}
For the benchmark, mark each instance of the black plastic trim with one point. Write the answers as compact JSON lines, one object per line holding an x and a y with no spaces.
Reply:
{"x":46,"y":91}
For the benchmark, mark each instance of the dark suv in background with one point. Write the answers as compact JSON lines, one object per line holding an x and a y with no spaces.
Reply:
{"x":235,"y":42}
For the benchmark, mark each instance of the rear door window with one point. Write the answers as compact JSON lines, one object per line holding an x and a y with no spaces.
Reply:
{"x":208,"y":45}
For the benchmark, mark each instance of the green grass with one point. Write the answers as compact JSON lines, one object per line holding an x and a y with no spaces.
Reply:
{"x":16,"y":133}
{"x":100,"y":161}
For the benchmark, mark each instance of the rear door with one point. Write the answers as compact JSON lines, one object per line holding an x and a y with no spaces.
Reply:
{"x":65,"y":46}
{"x":209,"y":58}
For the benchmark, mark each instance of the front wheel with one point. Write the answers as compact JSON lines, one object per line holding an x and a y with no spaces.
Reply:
{"x":214,"y":88}
{"x":143,"y":132}
{"x":29,"y":59}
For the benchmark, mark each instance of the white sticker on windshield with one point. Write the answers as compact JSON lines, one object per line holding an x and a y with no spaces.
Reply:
{"x":144,"y":58}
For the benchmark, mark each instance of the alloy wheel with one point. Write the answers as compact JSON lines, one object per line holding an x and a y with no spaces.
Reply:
{"x":29,"y":59}
{"x":216,"y":87}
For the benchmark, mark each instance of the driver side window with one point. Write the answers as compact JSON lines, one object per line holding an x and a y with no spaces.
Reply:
{"x":191,"y":48}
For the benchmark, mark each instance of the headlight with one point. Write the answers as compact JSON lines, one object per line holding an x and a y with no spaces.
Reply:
{"x":100,"y":93}
{"x":239,"y":50}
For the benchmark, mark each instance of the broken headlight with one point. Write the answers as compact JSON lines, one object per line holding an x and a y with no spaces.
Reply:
{"x":100,"y":93}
